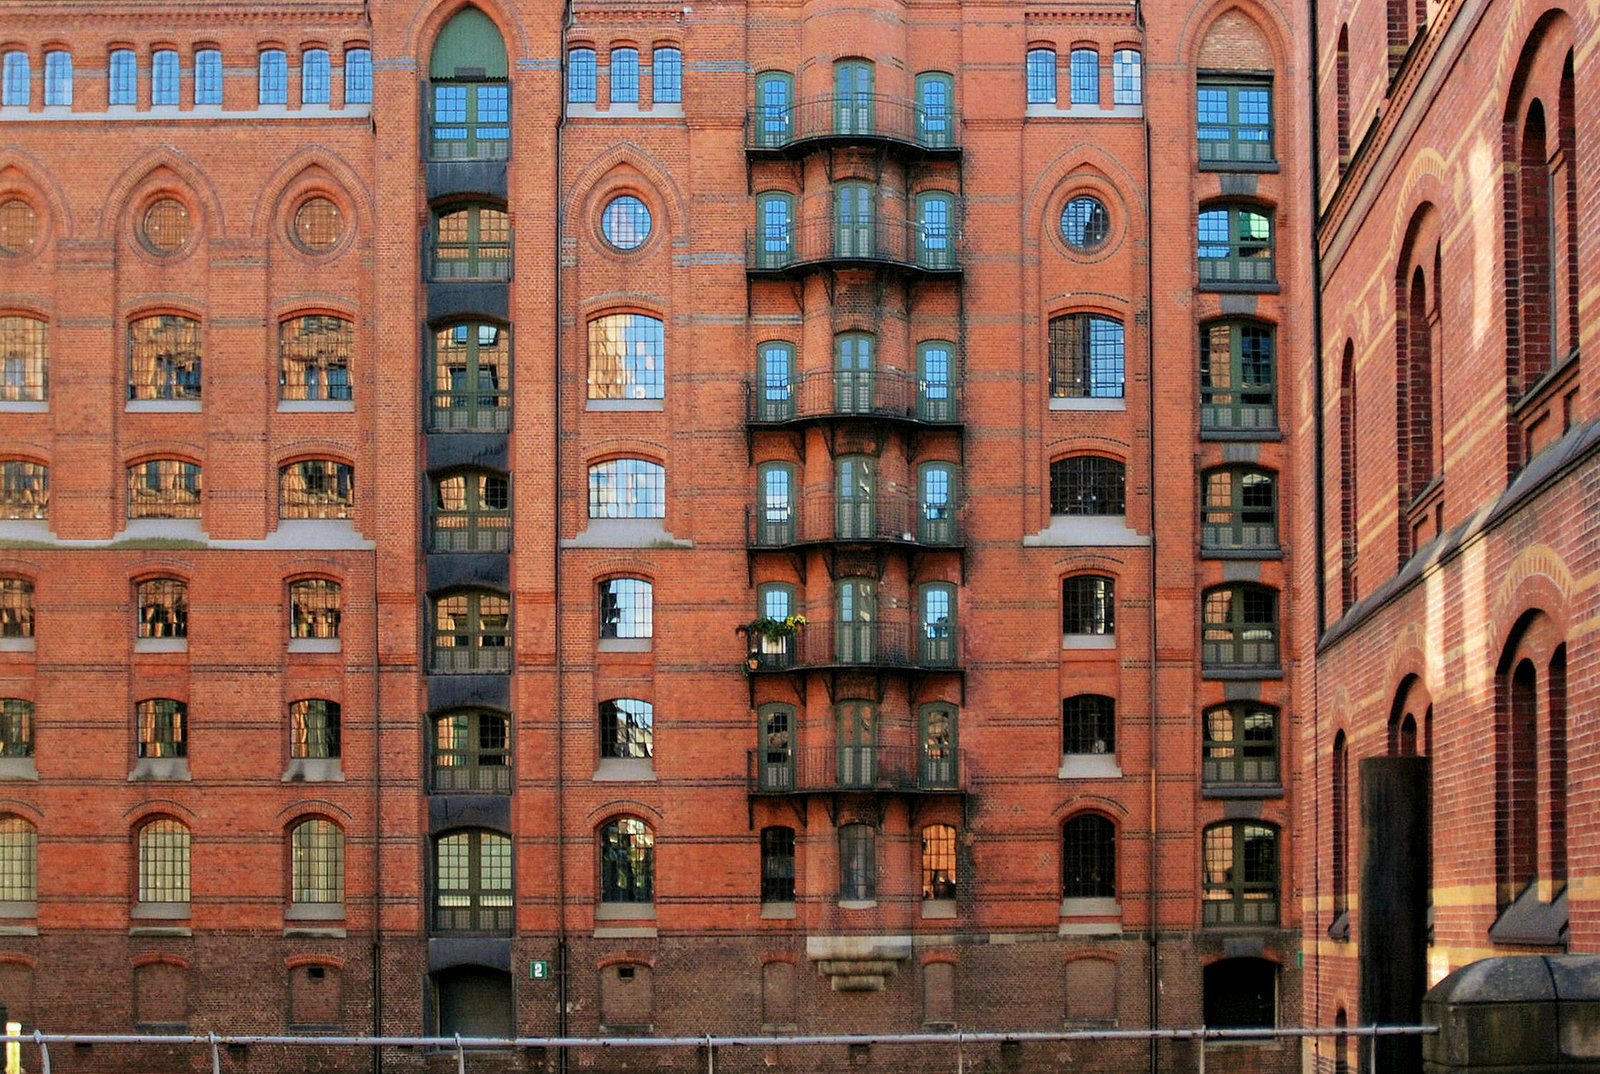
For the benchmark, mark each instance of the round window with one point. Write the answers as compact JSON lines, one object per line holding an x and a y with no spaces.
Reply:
{"x":166,"y":226}
{"x":1085,"y":222}
{"x":318,"y":227}
{"x":625,"y":222}
{"x":19,"y":226}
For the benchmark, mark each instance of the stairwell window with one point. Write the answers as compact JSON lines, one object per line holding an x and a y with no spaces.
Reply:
{"x":472,"y":883}
{"x":1086,"y":357}
{"x":1234,"y":122}
{"x":471,"y":753}
{"x":472,"y":512}
{"x":1041,"y":74}
{"x":469,"y":90}
{"x":1239,"y":628}
{"x":471,"y":378}
{"x":1239,"y":876}
{"x":1239,"y":509}
{"x":1238,"y":377}
{"x":272,"y":77}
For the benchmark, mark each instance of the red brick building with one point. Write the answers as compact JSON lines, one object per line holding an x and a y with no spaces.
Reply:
{"x":1455,"y":433}
{"x":525,"y":519}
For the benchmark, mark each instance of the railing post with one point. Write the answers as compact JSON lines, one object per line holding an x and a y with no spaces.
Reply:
{"x":1200,"y":1062}
{"x":461,"y":1057}
{"x":216,"y":1057}
{"x":44,"y":1052}
{"x":711,"y":1056}
{"x":1372,"y":1052}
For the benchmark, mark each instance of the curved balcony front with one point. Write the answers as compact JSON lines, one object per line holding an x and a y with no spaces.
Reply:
{"x":914,"y":247}
{"x":873,"y":645}
{"x":857,"y":770}
{"x":825,"y":518}
{"x":817,"y":123}
{"x":877,"y":394}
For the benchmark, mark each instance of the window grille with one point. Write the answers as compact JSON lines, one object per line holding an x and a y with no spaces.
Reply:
{"x":163,"y":727}
{"x":471,"y":753}
{"x":314,"y":605}
{"x":316,"y":853}
{"x":24,"y":358}
{"x":472,"y":512}
{"x":1087,"y":485}
{"x":1088,"y":724}
{"x":472,"y":883}
{"x":272,"y":85}
{"x":163,"y":608}
{"x":1088,"y":858}
{"x":16,"y":727}
{"x":316,"y":488}
{"x":1086,"y":357}
{"x":164,"y":488}
{"x":858,"y":876}
{"x":24,"y":489}
{"x":627,"y":488}
{"x":666,"y":70}
{"x":1088,"y":605}
{"x":626,"y":730}
{"x":626,"y":608}
{"x":19,"y":860}
{"x":314,"y":357}
{"x":314,"y":728}
{"x":164,"y":862}
{"x":627,"y":861}
{"x":938,"y":862}
{"x":164,"y":358}
{"x":777,"y":864}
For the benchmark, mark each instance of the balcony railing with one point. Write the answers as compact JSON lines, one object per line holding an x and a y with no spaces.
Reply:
{"x":485,"y":659}
{"x":852,"y":118}
{"x":1250,"y":649}
{"x":927,"y":769}
{"x":1244,"y":769}
{"x":1253,"y":908}
{"x":823,"y":517}
{"x":872,"y":393}
{"x":876,"y":644}
{"x":905,"y":244}
{"x":452,"y":774}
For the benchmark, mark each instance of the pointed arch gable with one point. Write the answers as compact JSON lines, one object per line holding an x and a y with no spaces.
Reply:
{"x":21,"y":172}
{"x":163,"y":165}
{"x":593,"y":175}
{"x":312,"y":163}
{"x":422,"y":34}
{"x":1268,"y":16}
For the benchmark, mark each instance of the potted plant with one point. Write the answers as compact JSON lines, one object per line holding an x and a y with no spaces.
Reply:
{"x":770,"y":636}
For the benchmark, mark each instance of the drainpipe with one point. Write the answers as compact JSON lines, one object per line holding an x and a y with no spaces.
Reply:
{"x":557,"y":354}
{"x":1153,"y":897}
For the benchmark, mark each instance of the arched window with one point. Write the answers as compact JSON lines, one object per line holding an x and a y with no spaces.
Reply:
{"x":1349,"y":587}
{"x":777,"y":864}
{"x":774,"y":100}
{"x":163,"y":605}
{"x":936,"y":221}
{"x":15,"y":80}
{"x":1517,"y":781}
{"x":164,"y":77}
{"x":469,"y":98}
{"x":1088,"y":605}
{"x":775,"y":508}
{"x":627,"y":608}
{"x":775,"y":751}
{"x":471,"y":378}
{"x":775,"y":389}
{"x":207,"y":76}
{"x":316,"y":862}
{"x":316,"y":488}
{"x":856,"y":497}
{"x":19,"y":860}
{"x":358,"y":76}
{"x":775,"y":601}
{"x":1239,"y":627}
{"x":471,"y":753}
{"x":1085,"y":76}
{"x":314,"y":608}
{"x":856,"y":730}
{"x":1240,"y":874}
{"x":853,"y":99}
{"x":935,"y":111}
{"x":316,"y":76}
{"x":272,"y":77}
{"x":58,"y":79}
{"x":1086,"y":357}
{"x":1240,"y":745}
{"x":472,"y":242}
{"x":314,"y":728}
{"x":1089,"y":857}
{"x":1235,"y":247}
{"x":164,"y":488}
{"x":1041,"y":76}
{"x":938,"y":862}
{"x":1087,"y":485}
{"x":1341,"y":91}
{"x":122,"y":77}
{"x":472,"y":512}
{"x":858,"y":866}
{"x":472,"y":632}
{"x":666,"y":75}
{"x":16,"y":727}
{"x":625,"y":75}
{"x":24,"y":489}
{"x":16,"y":608}
{"x":627,"y":862}
{"x":1088,"y":724}
{"x":936,"y":503}
{"x":935,"y":392}
{"x":1341,"y":825}
{"x":582,"y":78}
{"x":314,"y":358}
{"x":775,"y":239}
{"x":627,"y":488}
{"x":164,"y":358}
{"x":164,"y":861}
{"x":1239,"y":511}
{"x":936,"y":630}
{"x":627,"y":357}
{"x":472,"y":883}
{"x":24,"y":360}
{"x":1127,"y":77}
{"x":627,"y":729}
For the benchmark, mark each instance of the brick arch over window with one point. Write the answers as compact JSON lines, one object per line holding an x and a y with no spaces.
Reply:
{"x":1417,"y":336}
{"x":165,"y":171}
{"x":1530,"y":750}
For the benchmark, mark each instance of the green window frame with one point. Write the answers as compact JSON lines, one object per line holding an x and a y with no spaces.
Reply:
{"x":1239,"y":627}
{"x":472,"y":883}
{"x":472,"y":242}
{"x":776,"y":507}
{"x":316,"y":862}
{"x":471,"y":512}
{"x":854,"y":102}
{"x":775,"y":748}
{"x":855,"y":214}
{"x":936,"y":380}
{"x":936,"y":230}
{"x":469,"y":98}
{"x":774,"y":112}
{"x":471,"y":378}
{"x":1238,"y":509}
{"x":1235,"y":246}
{"x":936,"y":93}
{"x":471,"y":751}
{"x":856,"y":498}
{"x":1239,"y":876}
{"x":775,"y":388}
{"x":775,"y":230}
{"x":471,"y":632}
{"x":1240,"y":745}
{"x":627,"y":862}
{"x":856,"y":621}
{"x":854,"y":373}
{"x":937,"y":494}
{"x":937,"y":629}
{"x":1238,"y":376}
{"x":775,"y":600}
{"x":24,"y":489}
{"x":938,"y":724}
{"x":1234,"y":121}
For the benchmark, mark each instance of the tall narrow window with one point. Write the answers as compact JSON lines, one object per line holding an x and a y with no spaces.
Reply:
{"x":854,"y":381}
{"x":1238,"y":376}
{"x":777,"y":602}
{"x":24,"y":489}
{"x":775,"y":507}
{"x":853,"y":100}
{"x":272,"y":77}
{"x":626,"y":608}
{"x":1341,"y":90}
{"x":936,"y":503}
{"x":1349,"y":546}
{"x":858,"y":869}
{"x":16,"y":80}
{"x":776,"y":390}
{"x":314,"y":606}
{"x":666,"y":75}
{"x":316,"y":488}
{"x":471,"y":378}
{"x":470,"y":91}
{"x":24,"y":360}
{"x":162,"y":727}
{"x":471,"y":753}
{"x":1234,"y":122}
{"x":122,"y":75}
{"x":316,"y":77}
{"x":1240,"y":874}
{"x":16,"y":608}
{"x":1088,"y":858}
{"x":472,"y":883}
{"x":1086,"y":357}
{"x":1415,"y":419}
{"x":627,"y":729}
{"x":1085,"y":76}
{"x":777,"y":864}
{"x":1556,"y":784}
{"x":314,"y":728}
{"x":938,"y":862}
{"x":164,"y":488}
{"x":58,"y":79}
{"x":163,"y":608}
{"x":854,"y":233}
{"x":856,"y":615}
{"x":939,"y":764}
{"x":936,"y":640}
{"x":1088,"y":605}
{"x":472,"y":632}
{"x":935,"y":389}
{"x":164,"y":862}
{"x":581,"y":80}
{"x":627,"y":861}
{"x":775,"y":240}
{"x":774,"y":100}
{"x":358,"y":76}
{"x":314,"y":358}
{"x":16,"y":728}
{"x":775,"y":748}
{"x":856,"y":498}
{"x":627,"y":488}
{"x":1041,"y":76}
{"x":472,"y":242}
{"x":624,"y":76}
{"x":935,"y":111}
{"x":627,"y":357}
{"x":472,"y":512}
{"x":164,"y":77}
{"x":1517,"y":781}
{"x":1341,"y":824}
{"x":19,"y":860}
{"x":207,"y":76}
{"x":1127,"y":77}
{"x":316,"y":862}
{"x":164,"y":358}
{"x":936,"y":230}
